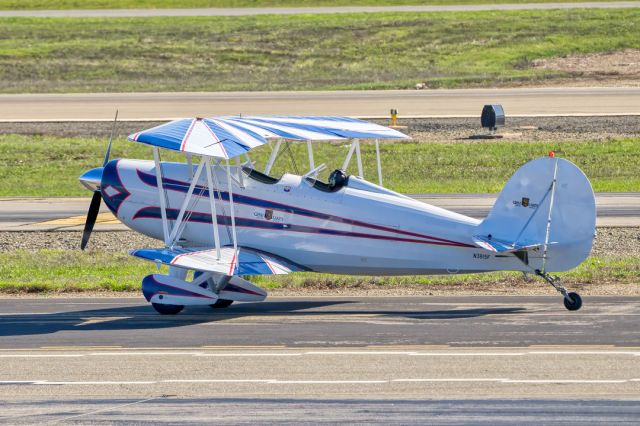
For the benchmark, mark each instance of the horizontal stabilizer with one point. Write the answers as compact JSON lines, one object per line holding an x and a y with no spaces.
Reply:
{"x":244,"y":262}
{"x":498,"y":246}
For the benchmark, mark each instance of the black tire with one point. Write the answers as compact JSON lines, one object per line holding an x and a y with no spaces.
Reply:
{"x":577,"y":302}
{"x":167,"y":309}
{"x":221,"y":303}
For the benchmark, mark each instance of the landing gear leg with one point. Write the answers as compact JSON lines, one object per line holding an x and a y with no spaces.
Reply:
{"x":572,"y":301}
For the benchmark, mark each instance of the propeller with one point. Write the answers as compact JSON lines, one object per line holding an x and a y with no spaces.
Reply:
{"x":90,"y":178}
{"x":92,"y":215}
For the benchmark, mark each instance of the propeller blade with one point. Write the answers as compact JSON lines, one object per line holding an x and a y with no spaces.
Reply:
{"x":92,"y":215}
{"x":113,"y":131}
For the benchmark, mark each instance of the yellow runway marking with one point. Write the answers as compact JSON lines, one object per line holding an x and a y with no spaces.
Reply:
{"x":103,"y":218}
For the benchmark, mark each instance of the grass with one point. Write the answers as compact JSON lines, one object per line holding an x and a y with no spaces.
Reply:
{"x":305,"y":52}
{"x":157,"y":4}
{"x":50,"y":166}
{"x":76,"y":271}
{"x":58,"y":270}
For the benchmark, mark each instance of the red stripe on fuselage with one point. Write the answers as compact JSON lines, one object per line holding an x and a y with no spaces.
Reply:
{"x":312,"y":214}
{"x":309,"y":230}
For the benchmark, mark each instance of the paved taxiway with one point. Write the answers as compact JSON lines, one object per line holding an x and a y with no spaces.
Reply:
{"x":251,"y":11}
{"x":51,"y":214}
{"x":409,"y":359}
{"x":362,"y":103}
{"x":323,"y":322}
{"x":170,"y":409}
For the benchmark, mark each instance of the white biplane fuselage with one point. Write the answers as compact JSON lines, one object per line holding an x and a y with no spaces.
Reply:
{"x":360,"y":229}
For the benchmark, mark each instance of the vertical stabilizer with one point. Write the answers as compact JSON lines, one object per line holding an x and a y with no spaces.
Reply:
{"x":546,"y":208}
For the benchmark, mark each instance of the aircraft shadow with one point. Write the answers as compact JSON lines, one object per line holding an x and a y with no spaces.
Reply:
{"x":144,"y":317}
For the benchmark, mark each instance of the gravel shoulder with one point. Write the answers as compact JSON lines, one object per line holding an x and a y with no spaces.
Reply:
{"x":441,"y":130}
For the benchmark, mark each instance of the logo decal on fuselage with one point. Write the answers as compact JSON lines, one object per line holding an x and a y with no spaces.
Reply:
{"x":525,"y":202}
{"x":269,"y":215}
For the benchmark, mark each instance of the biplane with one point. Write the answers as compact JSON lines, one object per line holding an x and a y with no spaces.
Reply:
{"x":222,"y":221}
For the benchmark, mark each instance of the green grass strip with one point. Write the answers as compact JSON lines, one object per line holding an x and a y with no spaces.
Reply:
{"x":158,"y":4}
{"x":50,"y":166}
{"x":305,"y":52}
{"x":76,"y":271}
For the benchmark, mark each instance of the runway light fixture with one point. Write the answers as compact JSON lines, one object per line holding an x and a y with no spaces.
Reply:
{"x":394,"y":117}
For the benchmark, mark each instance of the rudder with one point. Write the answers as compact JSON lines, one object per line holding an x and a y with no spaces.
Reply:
{"x":519,"y":217}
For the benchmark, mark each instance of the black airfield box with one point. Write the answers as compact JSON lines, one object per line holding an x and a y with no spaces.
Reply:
{"x":492,"y":116}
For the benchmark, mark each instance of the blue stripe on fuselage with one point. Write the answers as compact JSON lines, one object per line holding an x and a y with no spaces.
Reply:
{"x":200,"y":190}
{"x":153,"y":212}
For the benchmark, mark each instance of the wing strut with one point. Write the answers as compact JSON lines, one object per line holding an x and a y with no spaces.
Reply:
{"x":214,"y":212}
{"x":171,"y":237}
{"x":347,"y":159}
{"x":232,"y":211}
{"x":355,"y":147}
{"x":174,"y":236}
{"x":272,"y":157}
{"x":163,"y":203}
{"x":176,"y":232}
{"x":312,"y":164}
{"x":359,"y":158}
{"x":378,"y":162}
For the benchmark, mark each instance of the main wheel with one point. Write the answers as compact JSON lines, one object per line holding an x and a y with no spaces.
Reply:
{"x":167,"y":309}
{"x":221,"y":303}
{"x":576,"y":304}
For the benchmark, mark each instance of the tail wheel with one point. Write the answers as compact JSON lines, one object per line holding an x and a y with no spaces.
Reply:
{"x":221,"y":303}
{"x":575,"y":303}
{"x":167,"y":309}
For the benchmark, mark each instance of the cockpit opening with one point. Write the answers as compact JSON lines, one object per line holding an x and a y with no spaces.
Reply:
{"x":259,"y":176}
{"x":337,"y":180}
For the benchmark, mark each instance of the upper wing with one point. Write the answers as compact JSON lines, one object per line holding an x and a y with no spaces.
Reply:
{"x":228,"y":137}
{"x":246,"y":262}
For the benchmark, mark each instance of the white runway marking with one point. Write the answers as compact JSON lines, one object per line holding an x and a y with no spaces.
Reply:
{"x":136,"y":353}
{"x":329,"y":382}
{"x":460,"y":353}
{"x":250,"y":355}
{"x":41,"y":355}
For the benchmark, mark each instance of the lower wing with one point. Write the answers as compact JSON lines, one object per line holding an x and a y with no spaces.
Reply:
{"x":244,"y":261}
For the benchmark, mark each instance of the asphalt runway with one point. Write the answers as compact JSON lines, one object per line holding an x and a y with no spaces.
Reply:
{"x":363,"y":103}
{"x":387,"y":360}
{"x":487,"y":321}
{"x":141,"y":13}
{"x":60,"y":214}
{"x":196,"y":411}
